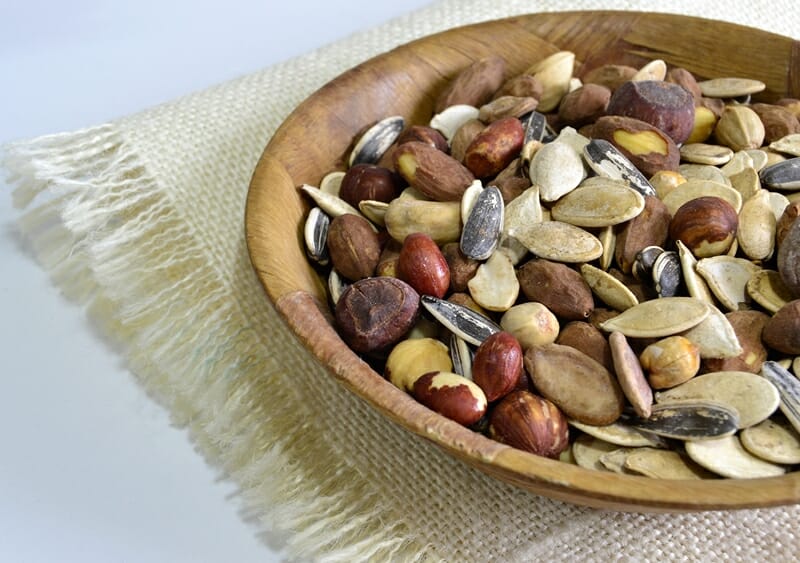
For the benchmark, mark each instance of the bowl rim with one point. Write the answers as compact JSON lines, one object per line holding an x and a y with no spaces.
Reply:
{"x":298,"y":294}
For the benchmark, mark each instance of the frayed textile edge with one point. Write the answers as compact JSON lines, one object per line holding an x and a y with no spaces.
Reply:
{"x":112,"y":240}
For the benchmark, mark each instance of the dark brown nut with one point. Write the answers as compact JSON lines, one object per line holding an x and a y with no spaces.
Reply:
{"x":582,"y":388}
{"x":782,"y":330}
{"x":611,"y":76}
{"x":666,"y":106}
{"x":686,"y":80}
{"x":523,"y":86}
{"x":790,"y":213}
{"x":792,"y":104}
{"x":422,"y":265}
{"x":497,"y":365}
{"x":511,"y":181}
{"x":506,"y":106}
{"x":748,"y":326}
{"x":706,"y":225}
{"x":530,"y":423}
{"x":462,"y":269}
{"x":778,"y":121}
{"x":437,"y":175}
{"x":558,"y":287}
{"x":463,"y":137}
{"x":583,"y":105}
{"x":387,"y":263}
{"x":369,"y":181}
{"x":495,"y":147}
{"x":473,"y":86}
{"x":353,"y":246}
{"x":587,"y":338}
{"x":451,"y":395}
{"x":424,"y":134}
{"x":649,"y":228}
{"x":374,"y":314}
{"x":648,"y":148}
{"x":789,"y":258}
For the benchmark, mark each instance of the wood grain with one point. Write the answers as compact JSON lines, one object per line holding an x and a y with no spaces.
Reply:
{"x":405,"y":81}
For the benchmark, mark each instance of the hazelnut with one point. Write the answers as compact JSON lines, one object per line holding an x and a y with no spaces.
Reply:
{"x":670,"y":362}
{"x":369,"y":181}
{"x":531,"y":423}
{"x":664,"y":105}
{"x":531,"y":324}
{"x":706,"y":225}
{"x":354,"y":246}
{"x":424,"y":134}
{"x":497,"y":365}
{"x":782,"y":330}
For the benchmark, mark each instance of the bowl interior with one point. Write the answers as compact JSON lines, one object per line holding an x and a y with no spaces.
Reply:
{"x":316,"y":137}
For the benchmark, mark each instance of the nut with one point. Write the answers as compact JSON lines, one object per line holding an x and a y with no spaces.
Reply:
{"x":437,"y":175}
{"x":583,"y":105}
{"x":423,"y":134}
{"x":474,"y":85}
{"x":463,"y":136}
{"x":649,"y":228}
{"x":494,"y":147}
{"x":522,"y":86}
{"x":532,"y":324}
{"x":647,"y":147}
{"x":462,"y":269}
{"x":706,"y":225}
{"x":782,"y":330}
{"x":422,"y":265}
{"x":368,"y":181}
{"x":497,"y":365}
{"x":778,"y":121}
{"x":664,"y":105}
{"x":686,"y":80}
{"x":554,"y":73}
{"x":739,"y":128}
{"x":412,"y":358}
{"x":451,"y":395}
{"x":748,"y":326}
{"x":353,"y":246}
{"x":558,"y":287}
{"x":506,"y":106}
{"x":790,"y":213}
{"x":441,"y":220}
{"x":670,"y":362}
{"x":528,"y":422}
{"x":704,"y":122}
{"x":789,"y":258}
{"x":611,"y":76}
{"x":586,"y":337}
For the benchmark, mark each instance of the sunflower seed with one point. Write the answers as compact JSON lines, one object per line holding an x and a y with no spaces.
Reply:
{"x":336,"y":286}
{"x":607,"y":161}
{"x":658,"y":317}
{"x":726,"y":457}
{"x":315,"y":234}
{"x":772,"y":441}
{"x":784,"y":175}
{"x":463,"y":321}
{"x":688,"y":420}
{"x":376,"y":140}
{"x":461,"y":354}
{"x":483,"y":226}
{"x":535,"y":127}
{"x":642,"y":267}
{"x":667,"y":274}
{"x":789,"y":388}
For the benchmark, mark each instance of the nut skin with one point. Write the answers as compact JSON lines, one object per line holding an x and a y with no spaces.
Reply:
{"x":778,"y":121}
{"x":782,"y":330}
{"x":706,"y":225}
{"x":789,"y":258}
{"x":670,"y":362}
{"x":474,"y":85}
{"x":451,"y":395}
{"x":530,"y":423}
{"x":522,"y":86}
{"x":497,"y":365}
{"x":647,"y":147}
{"x":686,"y":80}
{"x":462,"y":269}
{"x":506,"y":106}
{"x":649,"y":228}
{"x":353,"y":246}
{"x":463,"y":137}
{"x":495,"y":147}
{"x":434,"y":173}
{"x":422,"y":265}
{"x":790,"y":213}
{"x":369,"y":181}
{"x":373,"y":314}
{"x":748,"y":326}
{"x":412,"y":358}
{"x":558,"y":287}
{"x":583,"y":105}
{"x":664,"y":105}
{"x":424,"y":134}
{"x":612,"y":76}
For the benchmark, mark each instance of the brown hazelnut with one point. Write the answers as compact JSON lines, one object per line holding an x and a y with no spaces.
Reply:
{"x":706,"y":225}
{"x":584,"y":105}
{"x":354,"y":246}
{"x":531,"y":423}
{"x":369,"y":181}
{"x":497,"y":365}
{"x":424,"y":134}
{"x":782,"y":330}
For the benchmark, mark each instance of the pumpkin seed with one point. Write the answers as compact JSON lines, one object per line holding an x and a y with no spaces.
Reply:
{"x":608,"y":239}
{"x":778,"y":202}
{"x":596,"y":206}
{"x":607,"y":161}
{"x":784,"y":175}
{"x":753,"y":397}
{"x":315,"y":234}
{"x":772,"y":441}
{"x":703,"y":172}
{"x":730,"y":87}
{"x":703,"y":153}
{"x":512,"y":248}
{"x":695,"y":284}
{"x":789,"y":388}
{"x":664,"y":464}
{"x":609,"y":289}
{"x":450,"y":120}
{"x":614,"y":461}
{"x":376,"y":140}
{"x":727,"y":279}
{"x":330,"y":204}
{"x":726,"y":457}
{"x":746,"y":182}
{"x":495,"y":285}
{"x":483,"y":226}
{"x":688,"y":420}
{"x":557,"y":170}
{"x":374,"y":210}
{"x":790,"y":144}
{"x":331,"y":183}
{"x":522,"y":211}
{"x":740,"y":161}
{"x":560,"y":242}
{"x":714,"y":336}
{"x":588,"y":450}
{"x":620,"y":434}
{"x":658,"y":317}
{"x":756,"y":232}
{"x":767,"y":289}
{"x":462,"y":321}
{"x":692,"y":189}
{"x":758,"y":157}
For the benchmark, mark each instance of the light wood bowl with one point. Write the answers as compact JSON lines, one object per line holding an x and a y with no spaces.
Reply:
{"x":315,"y":139}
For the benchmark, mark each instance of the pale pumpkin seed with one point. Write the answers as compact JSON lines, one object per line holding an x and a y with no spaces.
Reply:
{"x":703,"y":153}
{"x":522,"y":211}
{"x":330,"y":204}
{"x":703,"y":172}
{"x":726,"y":457}
{"x":790,"y":144}
{"x":598,"y":206}
{"x":695,"y":284}
{"x":751,"y":396}
{"x":740,"y":161}
{"x":693,"y":189}
{"x":746,"y":182}
{"x":495,"y":286}
{"x":771,"y":441}
{"x":658,"y":317}
{"x":620,"y":434}
{"x":557,"y":170}
{"x":614,"y":461}
{"x":374,"y":210}
{"x":336,"y":286}
{"x":727,"y":279}
{"x":654,"y":70}
{"x":561,"y":242}
{"x":664,"y":464}
{"x":758,"y":157}
{"x":766,"y":288}
{"x":588,"y":450}
{"x":608,"y":239}
{"x":714,"y":336}
{"x":609,"y":289}
{"x":778,"y":203}
{"x":730,"y":87}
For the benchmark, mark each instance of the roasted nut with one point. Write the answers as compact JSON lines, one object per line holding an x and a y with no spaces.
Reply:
{"x":748,"y":326}
{"x":789,"y":258}
{"x":649,"y":228}
{"x":437,"y":175}
{"x":523,"y":86}
{"x":441,"y":220}
{"x":670,"y":362}
{"x":368,"y":181}
{"x":462,"y":269}
{"x":778,"y":121}
{"x":587,"y":338}
{"x":583,"y":105}
{"x":353,"y":246}
{"x":532,"y":324}
{"x":494,"y":147}
{"x":373,"y":314}
{"x":647,"y":147}
{"x":706,"y":225}
{"x":424,"y":134}
{"x":704,"y":122}
{"x":782,"y":330}
{"x":528,"y":422}
{"x":739,"y":128}
{"x":422,"y":265}
{"x":790,"y":213}
{"x":554,"y":73}
{"x":664,"y":105}
{"x":474,"y":85}
{"x":686,"y":80}
{"x":506,"y":106}
{"x":451,"y":395}
{"x":612,"y":76}
{"x":560,"y":288}
{"x":497,"y":365}
{"x":412,"y":358}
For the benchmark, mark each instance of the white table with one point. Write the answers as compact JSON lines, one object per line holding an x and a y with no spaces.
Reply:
{"x":90,"y":467}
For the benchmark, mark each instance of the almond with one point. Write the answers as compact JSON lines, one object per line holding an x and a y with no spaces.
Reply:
{"x":434,"y":173}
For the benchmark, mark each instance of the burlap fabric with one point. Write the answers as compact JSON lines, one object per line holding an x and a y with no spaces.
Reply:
{"x":142,"y":220}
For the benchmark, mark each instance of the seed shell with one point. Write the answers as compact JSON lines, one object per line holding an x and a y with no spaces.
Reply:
{"x":449,"y":120}
{"x":767,"y":289}
{"x":688,"y":420}
{"x":607,"y":161}
{"x":557,"y":170}
{"x":658,"y":317}
{"x":330,"y":204}
{"x":598,"y":206}
{"x":522,"y":211}
{"x":695,"y":284}
{"x":693,"y":189}
{"x":615,"y":460}
{"x":789,"y":389}
{"x":374,"y":210}
{"x":772,"y":441}
{"x":315,"y":234}
{"x":726,"y":457}
{"x":790,"y":144}
{"x":727,"y":279}
{"x":495,"y":286}
{"x":560,"y":242}
{"x":331,"y":182}
{"x":588,"y":450}
{"x":461,"y":355}
{"x":609,"y":289}
{"x":664,"y":464}
{"x":730,"y":87}
{"x":376,"y":141}
{"x":483,"y":226}
{"x":667,"y":275}
{"x":466,"y":323}
{"x":702,"y":153}
{"x":714,"y":336}
{"x":620,"y":434}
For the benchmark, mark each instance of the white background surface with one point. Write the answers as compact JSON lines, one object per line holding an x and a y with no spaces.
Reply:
{"x":90,"y":468}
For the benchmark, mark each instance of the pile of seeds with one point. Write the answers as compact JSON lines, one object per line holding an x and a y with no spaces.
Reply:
{"x":603,"y":269}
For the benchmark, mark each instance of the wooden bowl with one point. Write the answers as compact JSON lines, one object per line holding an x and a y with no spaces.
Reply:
{"x":315,"y":139}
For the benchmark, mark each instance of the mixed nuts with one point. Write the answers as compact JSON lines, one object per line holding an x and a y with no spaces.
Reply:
{"x":599,"y":266}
